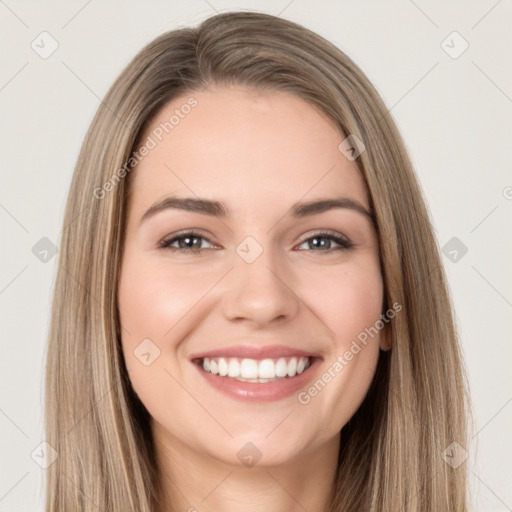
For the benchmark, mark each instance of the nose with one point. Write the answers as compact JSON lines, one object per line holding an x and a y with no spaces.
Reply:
{"x":260,"y":292}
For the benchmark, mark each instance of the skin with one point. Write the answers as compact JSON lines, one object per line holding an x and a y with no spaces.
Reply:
{"x":259,"y":153}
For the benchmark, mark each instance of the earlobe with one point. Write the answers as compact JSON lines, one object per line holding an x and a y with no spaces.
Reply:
{"x":385,"y":342}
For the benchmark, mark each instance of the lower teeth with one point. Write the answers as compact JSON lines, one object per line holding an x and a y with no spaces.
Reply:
{"x":255,"y":381}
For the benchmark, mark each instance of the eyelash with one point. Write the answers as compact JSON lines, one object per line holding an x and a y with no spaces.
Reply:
{"x":343,"y":243}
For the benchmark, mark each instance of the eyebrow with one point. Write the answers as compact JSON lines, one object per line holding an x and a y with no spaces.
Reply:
{"x":218,"y":209}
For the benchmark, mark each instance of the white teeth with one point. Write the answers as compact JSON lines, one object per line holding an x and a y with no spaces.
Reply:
{"x":214,"y":368}
{"x":252,"y":370}
{"x":234,"y":368}
{"x":223,"y":367}
{"x":292,"y":367}
{"x":281,"y":368}
{"x":248,"y":369}
{"x":266,"y":369}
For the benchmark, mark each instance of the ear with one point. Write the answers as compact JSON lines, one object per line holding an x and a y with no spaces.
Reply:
{"x":385,"y":340}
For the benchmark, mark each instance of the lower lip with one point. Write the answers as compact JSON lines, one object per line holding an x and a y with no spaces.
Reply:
{"x":261,"y":391}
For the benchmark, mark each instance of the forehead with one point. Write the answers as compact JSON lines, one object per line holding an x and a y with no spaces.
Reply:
{"x":245,"y":147}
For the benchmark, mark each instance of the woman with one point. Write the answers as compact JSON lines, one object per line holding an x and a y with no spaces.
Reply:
{"x":250,"y":310}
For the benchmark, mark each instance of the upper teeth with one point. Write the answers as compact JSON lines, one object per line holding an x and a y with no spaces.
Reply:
{"x":254,"y":369}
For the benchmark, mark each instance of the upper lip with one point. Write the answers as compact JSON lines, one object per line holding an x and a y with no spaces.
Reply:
{"x":255,"y":352}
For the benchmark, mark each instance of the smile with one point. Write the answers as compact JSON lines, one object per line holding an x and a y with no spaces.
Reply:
{"x":253,"y":370}
{"x":282,"y":377}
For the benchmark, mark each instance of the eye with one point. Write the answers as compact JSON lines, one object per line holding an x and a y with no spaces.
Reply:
{"x":318,"y":239}
{"x":189,"y":242}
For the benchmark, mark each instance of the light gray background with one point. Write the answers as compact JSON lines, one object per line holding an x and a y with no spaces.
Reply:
{"x":455,"y":116}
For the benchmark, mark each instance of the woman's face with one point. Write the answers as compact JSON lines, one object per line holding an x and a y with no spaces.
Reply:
{"x":266,"y":283}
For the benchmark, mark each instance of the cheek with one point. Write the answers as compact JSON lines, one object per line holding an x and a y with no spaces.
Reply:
{"x":153,"y":306}
{"x":347,"y":301}
{"x":152,"y":302}
{"x":350,"y":304}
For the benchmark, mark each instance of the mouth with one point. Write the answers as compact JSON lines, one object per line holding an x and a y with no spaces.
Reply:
{"x":257,"y":374}
{"x":255,"y":371}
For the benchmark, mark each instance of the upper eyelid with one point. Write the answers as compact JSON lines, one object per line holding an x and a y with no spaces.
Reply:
{"x":181,"y":234}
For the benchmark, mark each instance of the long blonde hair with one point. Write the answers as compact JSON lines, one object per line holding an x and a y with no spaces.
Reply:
{"x":391,"y":455}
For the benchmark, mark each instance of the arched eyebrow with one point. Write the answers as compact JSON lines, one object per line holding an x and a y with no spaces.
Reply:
{"x":219,"y":209}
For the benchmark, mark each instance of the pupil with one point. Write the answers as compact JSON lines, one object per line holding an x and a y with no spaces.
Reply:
{"x":321,"y":244}
{"x":187,"y":239}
